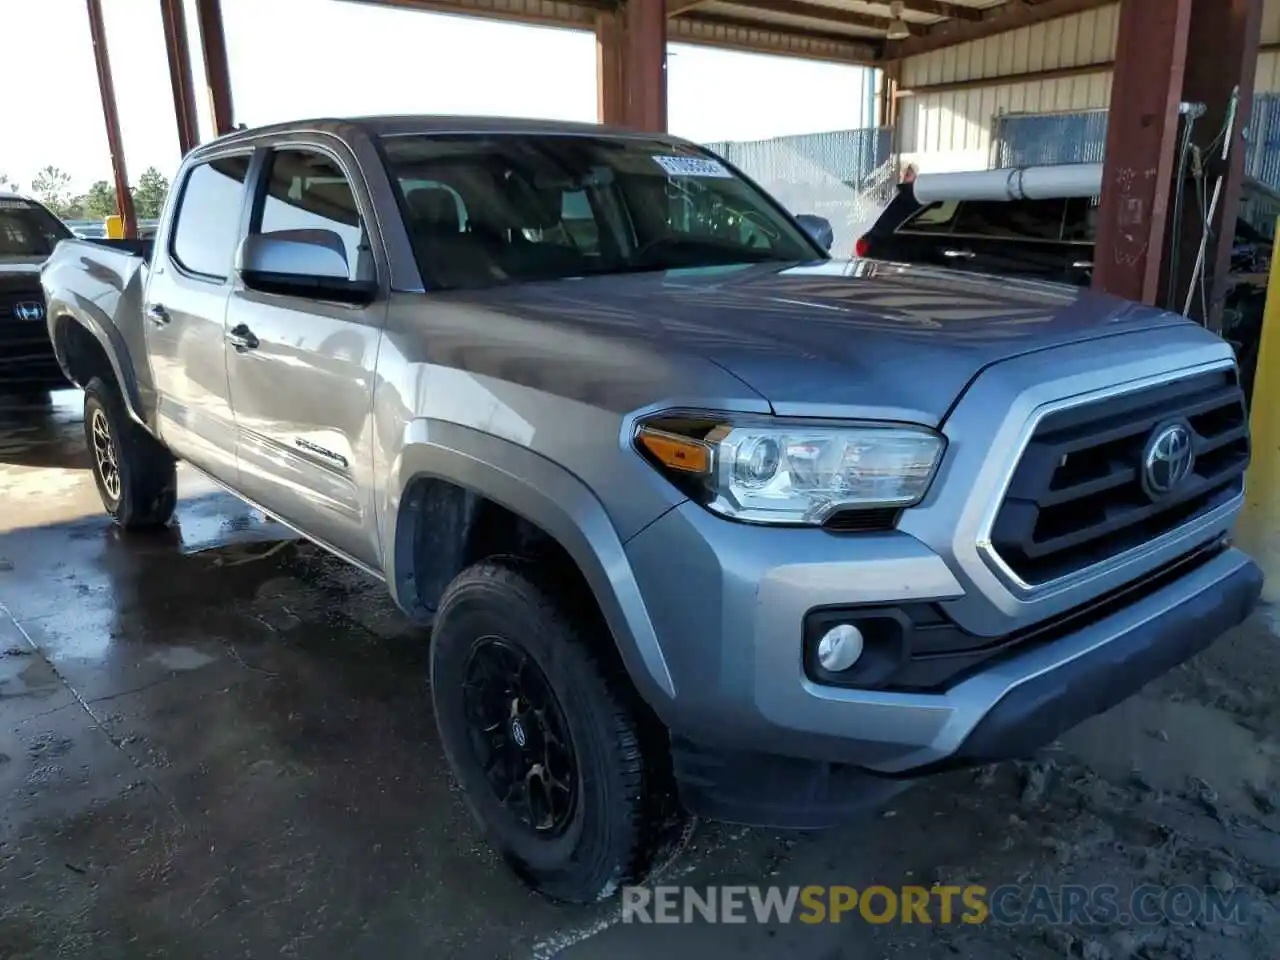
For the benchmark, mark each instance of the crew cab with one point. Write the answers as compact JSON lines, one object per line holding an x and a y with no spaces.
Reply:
{"x":28,"y":234}
{"x":703,"y":521}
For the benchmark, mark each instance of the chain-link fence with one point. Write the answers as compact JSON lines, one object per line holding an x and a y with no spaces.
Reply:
{"x":1042,"y":139}
{"x":847,"y":176}
{"x":1033,"y":139}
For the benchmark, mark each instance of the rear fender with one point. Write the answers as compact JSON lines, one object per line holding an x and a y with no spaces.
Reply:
{"x":109,"y":307}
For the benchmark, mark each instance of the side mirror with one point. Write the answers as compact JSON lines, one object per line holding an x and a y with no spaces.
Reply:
{"x":819,"y":228}
{"x":301,"y":263}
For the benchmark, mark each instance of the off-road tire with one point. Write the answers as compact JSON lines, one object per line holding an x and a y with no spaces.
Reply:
{"x":144,"y":492}
{"x":626,"y":818}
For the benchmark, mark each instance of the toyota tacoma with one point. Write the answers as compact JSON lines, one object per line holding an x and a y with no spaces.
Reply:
{"x":705,"y":523}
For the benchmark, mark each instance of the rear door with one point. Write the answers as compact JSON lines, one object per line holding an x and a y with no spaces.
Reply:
{"x":302,"y":370}
{"x":1013,"y":238}
{"x":185,"y":307}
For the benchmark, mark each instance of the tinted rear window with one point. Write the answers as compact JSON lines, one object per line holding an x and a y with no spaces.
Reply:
{"x":1011,"y":219}
{"x":1001,"y":219}
{"x":937,"y":217}
{"x":1081,"y":222}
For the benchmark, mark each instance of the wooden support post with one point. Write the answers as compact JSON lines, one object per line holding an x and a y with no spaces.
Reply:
{"x":106,"y":89}
{"x":631,"y":65}
{"x":184,"y":103}
{"x":213,"y":44}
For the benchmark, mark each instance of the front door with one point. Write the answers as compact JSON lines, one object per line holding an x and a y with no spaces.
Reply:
{"x":184,"y":310}
{"x":302,"y":370}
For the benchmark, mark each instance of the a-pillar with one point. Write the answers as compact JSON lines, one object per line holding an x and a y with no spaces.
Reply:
{"x":631,"y":65}
{"x":1158,"y":67}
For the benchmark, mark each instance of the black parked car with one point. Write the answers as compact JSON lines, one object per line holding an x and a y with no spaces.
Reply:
{"x":28,"y":234}
{"x":1052,"y":238}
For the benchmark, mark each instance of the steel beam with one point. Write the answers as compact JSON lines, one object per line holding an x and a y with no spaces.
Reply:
{"x":213,"y":44}
{"x":184,"y":101}
{"x":1142,"y":132}
{"x":1012,"y":15}
{"x":107,"y":90}
{"x":631,"y":51}
{"x":552,"y":13}
{"x":829,"y":16}
{"x":1223,"y":57}
{"x":756,"y":36}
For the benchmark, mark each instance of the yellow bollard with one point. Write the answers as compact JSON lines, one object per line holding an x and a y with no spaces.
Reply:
{"x":1258,"y":530}
{"x":115,"y":227}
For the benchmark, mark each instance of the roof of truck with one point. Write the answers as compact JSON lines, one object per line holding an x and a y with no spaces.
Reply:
{"x":393,"y":125}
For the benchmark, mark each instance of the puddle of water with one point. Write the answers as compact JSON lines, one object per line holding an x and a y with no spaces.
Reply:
{"x":181,"y":658}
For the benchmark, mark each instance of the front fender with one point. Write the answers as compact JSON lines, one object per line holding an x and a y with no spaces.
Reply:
{"x":555,"y":500}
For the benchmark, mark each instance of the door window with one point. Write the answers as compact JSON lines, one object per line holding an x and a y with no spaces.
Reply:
{"x":938,"y":217}
{"x":208,"y":221}
{"x":1081,"y":222}
{"x":309,"y":196}
{"x":1011,"y":219}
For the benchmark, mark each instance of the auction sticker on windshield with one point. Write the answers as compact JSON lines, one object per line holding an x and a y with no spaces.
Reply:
{"x":14,"y":205}
{"x":692,"y":167}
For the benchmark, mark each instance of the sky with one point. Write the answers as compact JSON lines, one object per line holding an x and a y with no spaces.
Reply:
{"x":300,"y":58}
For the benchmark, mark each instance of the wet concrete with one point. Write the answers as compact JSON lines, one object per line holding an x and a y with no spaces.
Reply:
{"x":217,"y":742}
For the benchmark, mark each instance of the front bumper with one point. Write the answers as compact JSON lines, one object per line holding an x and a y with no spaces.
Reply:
{"x":731,"y":629}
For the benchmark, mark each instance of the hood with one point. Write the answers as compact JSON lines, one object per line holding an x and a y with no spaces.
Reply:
{"x":818,"y":338}
{"x":20,"y":274}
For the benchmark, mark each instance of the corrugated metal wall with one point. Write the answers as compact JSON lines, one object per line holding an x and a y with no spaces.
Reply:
{"x":953,"y":130}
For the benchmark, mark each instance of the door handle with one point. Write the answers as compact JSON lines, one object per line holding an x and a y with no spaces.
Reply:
{"x":242,"y":338}
{"x":157,"y":314}
{"x":1082,"y":265}
{"x":958,"y":254}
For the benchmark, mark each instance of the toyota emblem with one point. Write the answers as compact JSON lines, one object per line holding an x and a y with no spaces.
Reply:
{"x":1167,"y":460}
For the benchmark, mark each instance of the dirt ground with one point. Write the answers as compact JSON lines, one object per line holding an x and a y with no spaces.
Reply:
{"x":219,"y":744}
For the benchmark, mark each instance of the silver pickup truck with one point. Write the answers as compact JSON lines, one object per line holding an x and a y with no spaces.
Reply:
{"x":705,"y":522}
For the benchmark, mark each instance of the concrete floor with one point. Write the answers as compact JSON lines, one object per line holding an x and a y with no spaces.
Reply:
{"x":218,"y":742}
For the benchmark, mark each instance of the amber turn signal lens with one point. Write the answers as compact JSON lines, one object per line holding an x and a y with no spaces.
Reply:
{"x":676,"y":452}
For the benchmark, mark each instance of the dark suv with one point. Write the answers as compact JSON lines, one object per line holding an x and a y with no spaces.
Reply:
{"x":1053,"y":239}
{"x":28,"y":234}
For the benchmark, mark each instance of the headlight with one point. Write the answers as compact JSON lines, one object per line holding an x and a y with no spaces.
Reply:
{"x":802,"y":473}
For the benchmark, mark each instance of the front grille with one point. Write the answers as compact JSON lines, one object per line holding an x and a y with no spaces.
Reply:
{"x":1077,"y":496}
{"x":25,"y":351}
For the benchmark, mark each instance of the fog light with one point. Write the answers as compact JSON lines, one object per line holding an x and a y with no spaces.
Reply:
{"x":840,"y":648}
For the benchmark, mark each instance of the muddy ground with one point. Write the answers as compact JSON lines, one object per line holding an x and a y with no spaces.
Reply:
{"x":218,"y":743}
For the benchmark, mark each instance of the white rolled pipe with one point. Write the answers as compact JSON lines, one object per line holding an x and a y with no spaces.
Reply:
{"x":1016,"y":183}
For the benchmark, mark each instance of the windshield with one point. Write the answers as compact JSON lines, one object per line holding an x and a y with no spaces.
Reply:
{"x":28,"y":229}
{"x":488,"y":209}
